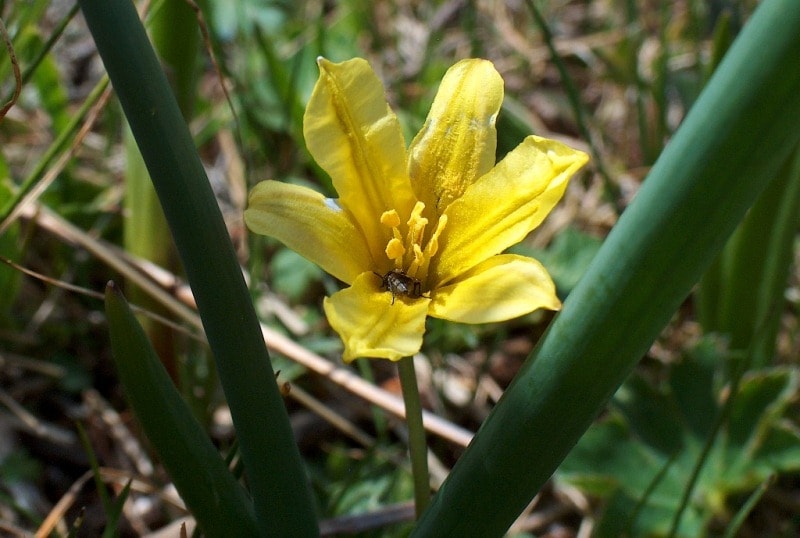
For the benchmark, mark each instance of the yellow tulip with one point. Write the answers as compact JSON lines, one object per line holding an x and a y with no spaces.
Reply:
{"x":418,"y":231}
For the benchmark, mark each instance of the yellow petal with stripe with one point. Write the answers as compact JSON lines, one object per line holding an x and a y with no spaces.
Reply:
{"x":457,"y":143}
{"x":371,"y":326}
{"x":310,"y":224}
{"x":502,"y":207}
{"x":501,"y":288}
{"x":355,"y":137}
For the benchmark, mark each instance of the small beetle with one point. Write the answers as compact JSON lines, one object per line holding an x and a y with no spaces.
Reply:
{"x":399,"y":283}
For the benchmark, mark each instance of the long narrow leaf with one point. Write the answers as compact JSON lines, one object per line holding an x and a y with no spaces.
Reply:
{"x":218,"y":502}
{"x":281,"y":495}
{"x":740,"y":131}
{"x":747,"y":285}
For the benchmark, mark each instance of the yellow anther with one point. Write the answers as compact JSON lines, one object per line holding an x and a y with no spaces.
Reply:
{"x":390,"y":219}
{"x":395,"y":250}
{"x":408,"y":250}
{"x":431,"y":247}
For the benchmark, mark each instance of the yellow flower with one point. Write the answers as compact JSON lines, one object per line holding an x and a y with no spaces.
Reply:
{"x":418,"y":231}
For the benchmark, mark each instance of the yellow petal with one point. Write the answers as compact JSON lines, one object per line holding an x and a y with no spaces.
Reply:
{"x":371,"y":326}
{"x":503,"y":206}
{"x":503,"y":287}
{"x":356,"y":138}
{"x":310,"y":224}
{"x":457,"y":144}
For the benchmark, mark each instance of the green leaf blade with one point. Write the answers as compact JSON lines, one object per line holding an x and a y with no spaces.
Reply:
{"x":216,"y":499}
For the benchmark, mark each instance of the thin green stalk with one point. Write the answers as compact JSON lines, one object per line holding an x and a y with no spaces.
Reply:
{"x":633,"y":43}
{"x":53,"y":37}
{"x":738,"y":520}
{"x":417,"y":445}
{"x":99,"y":485}
{"x":643,"y":500}
{"x":281,"y":496}
{"x":722,"y":38}
{"x":575,"y":102}
{"x":63,"y":140}
{"x":722,"y":417}
{"x":659,"y":86}
{"x":740,"y":296}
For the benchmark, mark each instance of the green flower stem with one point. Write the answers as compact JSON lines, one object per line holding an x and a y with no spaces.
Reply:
{"x":417,"y":446}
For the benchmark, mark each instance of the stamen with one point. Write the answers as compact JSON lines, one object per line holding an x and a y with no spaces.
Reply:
{"x":416,"y":262}
{"x":408,"y":253}
{"x":433,"y":243}
{"x":431,"y":248}
{"x":390,"y":218}
{"x":416,"y":224}
{"x":395,"y":251}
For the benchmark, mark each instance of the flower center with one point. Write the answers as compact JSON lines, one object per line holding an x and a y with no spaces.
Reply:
{"x":412,"y":254}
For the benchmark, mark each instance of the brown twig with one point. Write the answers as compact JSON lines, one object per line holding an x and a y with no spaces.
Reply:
{"x":15,"y":67}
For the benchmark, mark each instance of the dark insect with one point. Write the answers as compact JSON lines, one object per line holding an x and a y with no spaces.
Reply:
{"x":399,"y":283}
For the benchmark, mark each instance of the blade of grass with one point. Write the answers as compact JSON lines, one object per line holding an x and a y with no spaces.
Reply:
{"x":217,"y":501}
{"x":738,"y":520}
{"x":102,"y":492}
{"x":611,"y":189}
{"x":61,"y":143}
{"x":747,"y":288}
{"x":281,"y":495}
{"x":708,"y":445}
{"x":113,"y":515}
{"x":740,"y":131}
